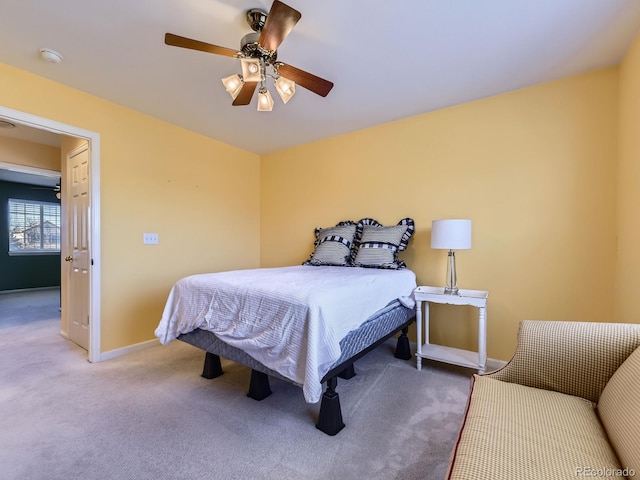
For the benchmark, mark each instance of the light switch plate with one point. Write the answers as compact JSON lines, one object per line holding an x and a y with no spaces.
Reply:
{"x":150,"y":238}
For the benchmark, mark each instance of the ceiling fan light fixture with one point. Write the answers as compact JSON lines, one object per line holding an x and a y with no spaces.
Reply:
{"x":233,"y":84}
{"x":251,"y":70}
{"x":265,"y":101}
{"x":258,"y":58}
{"x":286,"y":88}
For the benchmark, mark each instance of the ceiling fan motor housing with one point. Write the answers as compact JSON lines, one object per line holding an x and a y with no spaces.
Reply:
{"x":250,"y":47}
{"x":256,"y":19}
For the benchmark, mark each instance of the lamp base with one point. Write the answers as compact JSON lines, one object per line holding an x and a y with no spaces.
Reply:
{"x":452,"y":278}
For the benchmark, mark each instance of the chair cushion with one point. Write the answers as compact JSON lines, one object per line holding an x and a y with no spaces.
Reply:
{"x":514,"y":431}
{"x":619,"y":409}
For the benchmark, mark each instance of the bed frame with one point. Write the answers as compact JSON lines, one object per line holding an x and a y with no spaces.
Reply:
{"x":392,"y":319}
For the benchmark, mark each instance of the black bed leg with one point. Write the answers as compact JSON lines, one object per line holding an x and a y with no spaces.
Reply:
{"x":348,"y":372}
{"x":212,"y":367}
{"x":259,"y":388}
{"x":330,"y":417}
{"x":403,"y":350}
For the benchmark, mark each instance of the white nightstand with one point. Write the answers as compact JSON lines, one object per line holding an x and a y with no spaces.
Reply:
{"x":456,"y":356}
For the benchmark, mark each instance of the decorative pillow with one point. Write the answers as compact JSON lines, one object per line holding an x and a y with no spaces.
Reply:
{"x":333,"y":245}
{"x":377,"y":246}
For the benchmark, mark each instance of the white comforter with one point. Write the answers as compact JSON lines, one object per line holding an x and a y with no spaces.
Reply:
{"x":290,"y":319}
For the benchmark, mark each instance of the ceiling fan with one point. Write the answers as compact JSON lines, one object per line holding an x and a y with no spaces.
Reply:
{"x":258,"y":57}
{"x":57,"y":189}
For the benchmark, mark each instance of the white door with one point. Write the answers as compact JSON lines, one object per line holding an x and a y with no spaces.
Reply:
{"x":79,"y":258}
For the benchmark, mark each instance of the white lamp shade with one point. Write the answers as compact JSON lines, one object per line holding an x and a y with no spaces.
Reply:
{"x":233,"y":85}
{"x":251,"y":70}
{"x":265,"y":101}
{"x":286,"y":88}
{"x":451,"y":234}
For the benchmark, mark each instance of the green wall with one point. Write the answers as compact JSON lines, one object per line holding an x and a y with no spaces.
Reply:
{"x":18,"y":272}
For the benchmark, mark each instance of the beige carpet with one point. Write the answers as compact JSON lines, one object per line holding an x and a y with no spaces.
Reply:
{"x":149,"y":415}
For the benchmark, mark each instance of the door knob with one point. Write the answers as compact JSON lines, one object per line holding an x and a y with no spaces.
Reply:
{"x":68,"y":259}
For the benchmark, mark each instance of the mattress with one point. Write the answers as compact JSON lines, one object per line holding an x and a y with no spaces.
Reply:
{"x":289,"y":319}
{"x":383,"y":323}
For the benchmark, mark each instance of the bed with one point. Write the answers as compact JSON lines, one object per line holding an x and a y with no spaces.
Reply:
{"x":306,"y":324}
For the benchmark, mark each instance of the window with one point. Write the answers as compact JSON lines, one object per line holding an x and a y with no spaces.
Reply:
{"x":34,"y":227}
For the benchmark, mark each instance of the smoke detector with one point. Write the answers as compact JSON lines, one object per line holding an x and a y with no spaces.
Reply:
{"x":50,"y":55}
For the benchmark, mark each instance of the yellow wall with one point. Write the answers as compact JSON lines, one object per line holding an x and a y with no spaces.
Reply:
{"x":21,"y":152}
{"x":534,"y":169}
{"x":628,"y":261}
{"x":201,"y":196}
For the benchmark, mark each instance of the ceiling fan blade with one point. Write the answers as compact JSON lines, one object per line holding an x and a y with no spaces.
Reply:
{"x":280,"y":21}
{"x":246,"y":94}
{"x":317,"y":85}
{"x":178,"y":41}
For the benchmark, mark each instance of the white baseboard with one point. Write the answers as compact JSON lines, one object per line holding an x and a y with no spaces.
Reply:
{"x":492,"y":363}
{"x":118,"y":352}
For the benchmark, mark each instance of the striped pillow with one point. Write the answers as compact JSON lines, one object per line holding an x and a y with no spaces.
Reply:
{"x":377,"y":246}
{"x":333,"y":245}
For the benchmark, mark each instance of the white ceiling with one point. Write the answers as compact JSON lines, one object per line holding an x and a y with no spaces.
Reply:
{"x":23,"y":174}
{"x":38,"y":179}
{"x":24,"y":132}
{"x":388,"y":59}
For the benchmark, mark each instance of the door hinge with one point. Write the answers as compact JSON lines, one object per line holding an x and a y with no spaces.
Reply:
{"x":92,"y":262}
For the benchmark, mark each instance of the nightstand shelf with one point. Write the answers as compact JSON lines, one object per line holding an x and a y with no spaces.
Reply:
{"x":455,"y":356}
{"x":441,"y":353}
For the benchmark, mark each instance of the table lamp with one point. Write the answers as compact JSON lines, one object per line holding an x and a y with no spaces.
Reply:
{"x":451,"y":234}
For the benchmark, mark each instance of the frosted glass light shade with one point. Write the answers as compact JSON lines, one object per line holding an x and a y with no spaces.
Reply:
{"x":286,"y":88}
{"x":452,"y":234}
{"x":251,"y":70}
{"x":265,"y":101}
{"x":233,"y":85}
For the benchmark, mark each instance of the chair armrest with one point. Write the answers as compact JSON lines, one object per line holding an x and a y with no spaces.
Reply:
{"x":576,"y":358}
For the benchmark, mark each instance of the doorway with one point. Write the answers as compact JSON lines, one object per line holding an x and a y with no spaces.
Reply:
{"x":93,"y":140}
